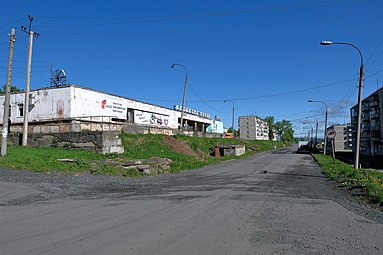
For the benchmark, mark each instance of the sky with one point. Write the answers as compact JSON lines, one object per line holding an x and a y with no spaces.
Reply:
{"x":264,"y":56}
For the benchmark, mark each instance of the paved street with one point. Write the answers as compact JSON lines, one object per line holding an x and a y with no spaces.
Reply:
{"x":271,"y":203}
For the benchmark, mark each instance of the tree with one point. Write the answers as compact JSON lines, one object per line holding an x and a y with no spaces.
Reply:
{"x":270,"y":123}
{"x":284,"y":131}
{"x":13,"y":89}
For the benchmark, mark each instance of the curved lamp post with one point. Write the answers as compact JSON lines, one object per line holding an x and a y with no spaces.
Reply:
{"x":232,"y":117}
{"x":184,"y":95}
{"x":325,"y":124}
{"x":361,"y":74}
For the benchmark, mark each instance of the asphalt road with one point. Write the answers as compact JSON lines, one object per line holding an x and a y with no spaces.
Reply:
{"x":271,"y":203}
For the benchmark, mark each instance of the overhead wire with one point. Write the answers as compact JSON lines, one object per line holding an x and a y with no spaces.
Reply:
{"x":204,"y":102}
{"x":258,"y":97}
{"x":193,"y":15}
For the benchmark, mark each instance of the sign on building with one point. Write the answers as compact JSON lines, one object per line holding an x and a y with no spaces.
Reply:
{"x":148,"y":118}
{"x":113,"y":107}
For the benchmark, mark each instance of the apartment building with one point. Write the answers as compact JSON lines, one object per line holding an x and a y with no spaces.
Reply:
{"x":371,"y":139}
{"x":253,"y":128}
{"x":342,"y":140}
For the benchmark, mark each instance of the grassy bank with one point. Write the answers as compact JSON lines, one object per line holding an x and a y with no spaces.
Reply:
{"x":369,"y":182}
{"x":183,"y":153}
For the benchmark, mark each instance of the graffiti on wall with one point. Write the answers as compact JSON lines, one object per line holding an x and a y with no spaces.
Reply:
{"x":148,"y":118}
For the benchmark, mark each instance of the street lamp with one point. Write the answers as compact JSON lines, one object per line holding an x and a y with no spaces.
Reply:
{"x":316,"y":129}
{"x":184,"y":96}
{"x":325,"y":124}
{"x":312,"y":133}
{"x":232,"y":118}
{"x":361,"y":74}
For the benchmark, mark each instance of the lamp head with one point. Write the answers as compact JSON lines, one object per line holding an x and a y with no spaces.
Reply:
{"x":224,"y":101}
{"x":310,"y":101}
{"x":172,"y":66}
{"x":325,"y":42}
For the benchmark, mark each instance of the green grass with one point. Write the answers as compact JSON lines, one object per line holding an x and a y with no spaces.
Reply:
{"x":46,"y":159}
{"x":136,"y":147}
{"x":371,"y":182}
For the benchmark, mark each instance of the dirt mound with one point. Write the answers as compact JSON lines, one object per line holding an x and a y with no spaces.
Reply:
{"x":179,"y":146}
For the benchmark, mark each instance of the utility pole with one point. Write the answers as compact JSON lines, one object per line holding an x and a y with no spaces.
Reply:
{"x":28,"y":78}
{"x":7,"y":95}
{"x":359,"y":116}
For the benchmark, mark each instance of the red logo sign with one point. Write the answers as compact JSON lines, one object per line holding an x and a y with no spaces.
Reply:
{"x":103,"y":103}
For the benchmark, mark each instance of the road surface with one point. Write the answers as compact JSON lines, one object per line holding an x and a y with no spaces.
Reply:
{"x":271,"y":203}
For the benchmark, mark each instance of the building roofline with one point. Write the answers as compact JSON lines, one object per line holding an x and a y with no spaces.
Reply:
{"x":95,"y":90}
{"x":371,"y":95}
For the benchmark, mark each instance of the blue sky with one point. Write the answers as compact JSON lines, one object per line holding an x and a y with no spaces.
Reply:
{"x":263,"y":55}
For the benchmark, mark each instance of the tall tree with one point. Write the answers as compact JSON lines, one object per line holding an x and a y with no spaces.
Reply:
{"x":284,"y":131}
{"x":270,"y":123}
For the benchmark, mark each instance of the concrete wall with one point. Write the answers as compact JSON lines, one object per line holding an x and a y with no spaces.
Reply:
{"x":137,"y":129}
{"x":105,"y":142}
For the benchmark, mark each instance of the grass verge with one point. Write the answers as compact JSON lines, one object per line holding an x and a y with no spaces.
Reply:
{"x":136,"y":147}
{"x":369,"y":182}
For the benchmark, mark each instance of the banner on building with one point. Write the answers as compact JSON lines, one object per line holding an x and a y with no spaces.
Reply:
{"x":148,"y":118}
{"x":113,"y":107}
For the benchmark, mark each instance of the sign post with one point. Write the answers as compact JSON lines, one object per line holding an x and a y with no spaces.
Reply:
{"x":331,"y":135}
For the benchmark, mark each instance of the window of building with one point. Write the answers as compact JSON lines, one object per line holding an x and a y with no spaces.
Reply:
{"x":20,"y":108}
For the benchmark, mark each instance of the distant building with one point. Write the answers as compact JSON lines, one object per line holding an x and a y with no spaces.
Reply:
{"x":253,"y":128}
{"x":342,"y":140}
{"x":371,"y":139}
{"x":216,"y":126}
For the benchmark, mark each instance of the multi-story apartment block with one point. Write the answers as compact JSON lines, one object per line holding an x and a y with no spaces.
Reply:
{"x":371,"y":139}
{"x":342,"y":139}
{"x":253,"y":128}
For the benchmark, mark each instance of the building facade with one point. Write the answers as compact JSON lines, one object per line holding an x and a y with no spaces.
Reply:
{"x":342,"y":140}
{"x":74,"y":103}
{"x":253,"y":128}
{"x":371,"y":139}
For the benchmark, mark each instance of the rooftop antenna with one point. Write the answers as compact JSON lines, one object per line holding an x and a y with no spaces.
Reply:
{"x":51,"y":70}
{"x":58,"y":78}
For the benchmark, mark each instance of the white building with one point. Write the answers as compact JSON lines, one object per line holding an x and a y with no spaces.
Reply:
{"x":73,"y":103}
{"x":253,"y":128}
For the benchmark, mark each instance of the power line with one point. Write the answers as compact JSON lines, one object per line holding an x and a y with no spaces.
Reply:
{"x":11,"y":23}
{"x":203,"y":101}
{"x":196,"y":15}
{"x":377,"y":46}
{"x":256,"y":97}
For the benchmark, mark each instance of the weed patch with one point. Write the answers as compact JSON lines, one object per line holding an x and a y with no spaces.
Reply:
{"x":368,"y":181}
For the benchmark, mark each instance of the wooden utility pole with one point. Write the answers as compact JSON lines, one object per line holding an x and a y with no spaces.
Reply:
{"x":7,"y":95}
{"x":28,"y":79}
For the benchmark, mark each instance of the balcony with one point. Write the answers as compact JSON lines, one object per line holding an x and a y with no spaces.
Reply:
{"x":374,"y":103}
{"x":365,"y":117}
{"x":365,"y":107}
{"x":375,"y":115}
